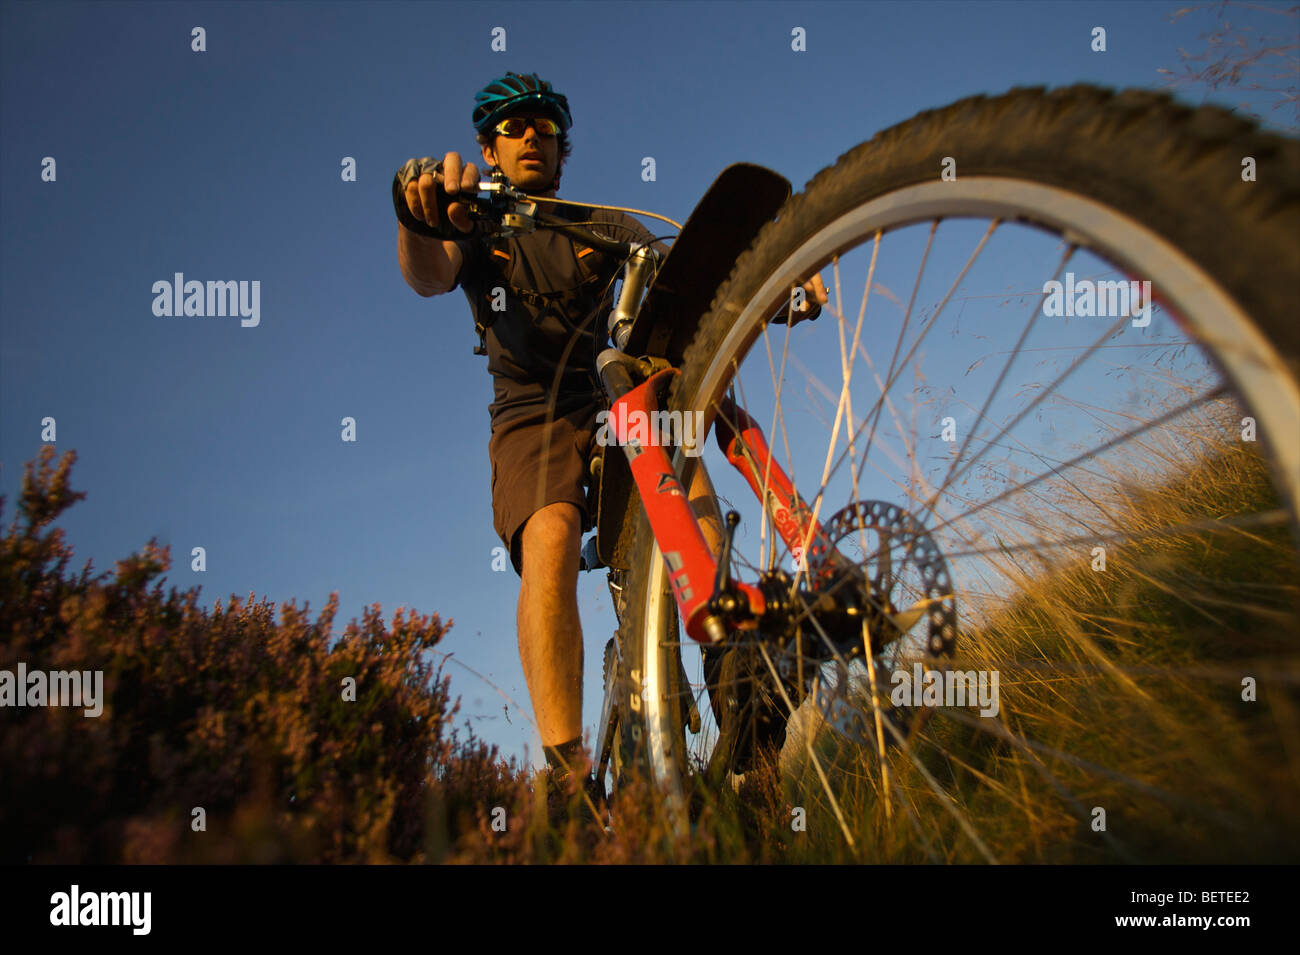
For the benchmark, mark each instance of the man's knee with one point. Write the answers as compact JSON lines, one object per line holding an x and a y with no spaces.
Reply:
{"x":550,"y":538}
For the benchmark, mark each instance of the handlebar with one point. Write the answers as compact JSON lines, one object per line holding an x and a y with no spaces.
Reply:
{"x":510,"y":211}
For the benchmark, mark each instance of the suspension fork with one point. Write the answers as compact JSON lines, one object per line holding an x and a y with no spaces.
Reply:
{"x":693,"y":571}
{"x":743,"y":444}
{"x":692,"y":568}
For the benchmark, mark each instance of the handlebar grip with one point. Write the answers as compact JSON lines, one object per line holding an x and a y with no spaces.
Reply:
{"x":404,"y":216}
{"x":413,"y":169}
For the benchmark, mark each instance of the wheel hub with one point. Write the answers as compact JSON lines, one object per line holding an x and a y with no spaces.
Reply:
{"x":897,"y":578}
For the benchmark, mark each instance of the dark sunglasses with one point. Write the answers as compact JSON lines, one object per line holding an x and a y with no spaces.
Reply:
{"x":514,"y":127}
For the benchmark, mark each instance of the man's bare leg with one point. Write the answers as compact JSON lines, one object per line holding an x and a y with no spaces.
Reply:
{"x":550,"y":633}
{"x":705,"y":506}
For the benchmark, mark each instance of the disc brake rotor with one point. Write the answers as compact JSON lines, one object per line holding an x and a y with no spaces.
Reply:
{"x":896,"y":555}
{"x":896,"y":530}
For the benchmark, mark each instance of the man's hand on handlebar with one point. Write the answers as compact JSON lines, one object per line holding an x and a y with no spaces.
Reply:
{"x":428,"y":192}
{"x":815,"y":290}
{"x":814,"y":298}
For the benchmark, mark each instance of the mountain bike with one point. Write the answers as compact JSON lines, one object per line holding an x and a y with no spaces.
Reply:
{"x":1047,"y":309}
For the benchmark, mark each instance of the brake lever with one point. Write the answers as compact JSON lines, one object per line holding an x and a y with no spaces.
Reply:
{"x":506,"y":211}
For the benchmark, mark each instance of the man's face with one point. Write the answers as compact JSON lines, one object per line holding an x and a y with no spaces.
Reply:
{"x":530,"y":161}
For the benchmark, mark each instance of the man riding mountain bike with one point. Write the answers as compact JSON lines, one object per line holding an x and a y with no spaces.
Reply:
{"x":540,"y":303}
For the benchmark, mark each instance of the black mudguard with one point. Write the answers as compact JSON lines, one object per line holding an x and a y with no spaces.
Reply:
{"x":722,"y":226}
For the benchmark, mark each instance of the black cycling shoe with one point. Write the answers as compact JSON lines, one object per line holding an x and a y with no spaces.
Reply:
{"x":565,"y":800}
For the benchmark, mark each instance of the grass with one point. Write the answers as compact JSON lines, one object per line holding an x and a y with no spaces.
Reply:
{"x":1120,"y":690}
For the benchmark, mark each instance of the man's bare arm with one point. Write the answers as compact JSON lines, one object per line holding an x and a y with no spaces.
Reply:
{"x":429,"y":265}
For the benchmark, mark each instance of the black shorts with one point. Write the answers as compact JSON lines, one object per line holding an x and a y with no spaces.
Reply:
{"x":535,"y":464}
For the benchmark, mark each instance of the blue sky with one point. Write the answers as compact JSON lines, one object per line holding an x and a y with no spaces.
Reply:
{"x":226,"y":165}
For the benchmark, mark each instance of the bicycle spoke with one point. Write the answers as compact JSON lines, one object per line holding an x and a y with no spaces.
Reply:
{"x":1087,"y":455}
{"x":1274,"y":518}
{"x":953,"y":475}
{"x":889,"y":383}
{"x":812,"y":754}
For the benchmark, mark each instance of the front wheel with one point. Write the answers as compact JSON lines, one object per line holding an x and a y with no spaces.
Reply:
{"x":1061,"y":343}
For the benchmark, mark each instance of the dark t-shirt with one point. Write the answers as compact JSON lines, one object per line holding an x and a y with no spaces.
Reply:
{"x":543,"y":341}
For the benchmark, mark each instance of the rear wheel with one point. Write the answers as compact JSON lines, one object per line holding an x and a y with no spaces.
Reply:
{"x":1072,"y":445}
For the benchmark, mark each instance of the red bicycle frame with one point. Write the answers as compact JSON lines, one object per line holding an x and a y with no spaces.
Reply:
{"x":692,"y":568}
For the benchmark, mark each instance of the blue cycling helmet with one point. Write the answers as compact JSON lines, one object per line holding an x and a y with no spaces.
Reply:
{"x":515,"y":93}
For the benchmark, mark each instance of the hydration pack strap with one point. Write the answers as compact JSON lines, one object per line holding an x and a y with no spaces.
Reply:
{"x":565,"y":299}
